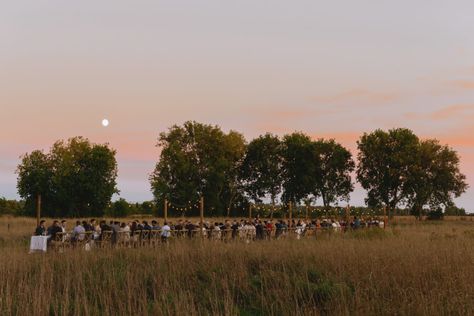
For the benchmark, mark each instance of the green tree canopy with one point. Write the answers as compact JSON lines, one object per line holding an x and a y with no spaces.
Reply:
{"x":261,"y":169}
{"x":298,"y":167}
{"x":198,"y":160}
{"x":76,"y":178}
{"x":435,"y":180}
{"x":334,"y":165}
{"x":386,"y":161}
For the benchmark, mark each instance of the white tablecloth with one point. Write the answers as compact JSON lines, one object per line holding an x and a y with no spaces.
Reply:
{"x":39,"y":243}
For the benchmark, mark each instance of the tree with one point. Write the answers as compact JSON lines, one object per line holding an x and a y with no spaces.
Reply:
{"x":35,"y":174}
{"x":436,"y":179}
{"x":333,"y":181}
{"x":198,"y":160}
{"x":120,"y":208}
{"x":299,"y":167}
{"x":77,"y":178}
{"x":261,"y":170}
{"x":454,"y":211}
{"x":386,"y":161}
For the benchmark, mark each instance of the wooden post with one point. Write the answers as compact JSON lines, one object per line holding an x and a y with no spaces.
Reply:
{"x":38,"y":210}
{"x":166,"y":210}
{"x":385,"y":220}
{"x":201,"y":214}
{"x":290,"y":208}
{"x":250,"y":212}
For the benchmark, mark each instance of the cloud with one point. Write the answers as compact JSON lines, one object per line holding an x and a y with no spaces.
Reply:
{"x":359,"y":96}
{"x":452,"y":111}
{"x":455,"y":111}
{"x":463,"y":84}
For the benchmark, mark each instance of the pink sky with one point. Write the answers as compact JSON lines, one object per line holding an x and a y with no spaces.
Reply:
{"x":330,"y":70}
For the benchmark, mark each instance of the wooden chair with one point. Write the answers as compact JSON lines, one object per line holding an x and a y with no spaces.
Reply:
{"x":155,"y":237}
{"x":145,"y":238}
{"x":135,"y":238}
{"x":105,"y":239}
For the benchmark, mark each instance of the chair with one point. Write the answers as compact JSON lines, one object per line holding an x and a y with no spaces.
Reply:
{"x":154,"y":237}
{"x":105,"y":239}
{"x":145,"y":238}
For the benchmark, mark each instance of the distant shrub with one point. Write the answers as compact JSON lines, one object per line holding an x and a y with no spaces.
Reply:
{"x":435,"y":215}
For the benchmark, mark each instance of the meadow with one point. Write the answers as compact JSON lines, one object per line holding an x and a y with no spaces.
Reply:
{"x":409,"y":268}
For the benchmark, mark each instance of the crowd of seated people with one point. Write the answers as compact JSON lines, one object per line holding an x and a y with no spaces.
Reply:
{"x":256,"y":229}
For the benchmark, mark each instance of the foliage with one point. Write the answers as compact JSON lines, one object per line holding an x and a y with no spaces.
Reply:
{"x":435,"y":178}
{"x":198,"y":160}
{"x":386,"y":160}
{"x":334,"y":165}
{"x":298,"y":167}
{"x":261,"y":170}
{"x":435,"y":215}
{"x":120,"y":208}
{"x":454,"y":211}
{"x":76,"y":178}
{"x":11,"y":207}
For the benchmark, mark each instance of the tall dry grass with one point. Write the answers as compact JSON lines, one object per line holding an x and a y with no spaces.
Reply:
{"x":406,"y":270}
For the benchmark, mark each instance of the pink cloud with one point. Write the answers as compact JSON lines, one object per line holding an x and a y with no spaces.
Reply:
{"x":463,"y":84}
{"x":359,"y":95}
{"x":461,"y":111}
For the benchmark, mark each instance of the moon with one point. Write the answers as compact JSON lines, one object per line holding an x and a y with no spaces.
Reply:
{"x":105,"y":122}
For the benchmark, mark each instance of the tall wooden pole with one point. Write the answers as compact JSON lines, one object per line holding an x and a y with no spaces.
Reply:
{"x":38,"y":210}
{"x":250,"y":212}
{"x":385,"y":220}
{"x":201,"y":214}
{"x":165,"y":208}
{"x":290,"y":208}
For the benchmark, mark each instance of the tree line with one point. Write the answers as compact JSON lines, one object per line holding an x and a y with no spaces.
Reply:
{"x":395,"y":167}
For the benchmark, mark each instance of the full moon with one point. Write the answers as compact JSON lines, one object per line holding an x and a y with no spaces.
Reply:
{"x":105,"y":122}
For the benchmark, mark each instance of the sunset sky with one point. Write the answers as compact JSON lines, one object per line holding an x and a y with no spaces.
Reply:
{"x":328,"y":68}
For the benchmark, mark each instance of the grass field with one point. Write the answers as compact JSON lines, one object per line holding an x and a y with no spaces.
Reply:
{"x":407,"y":269}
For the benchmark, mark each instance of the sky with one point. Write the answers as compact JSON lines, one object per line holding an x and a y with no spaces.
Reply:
{"x":332,"y":69}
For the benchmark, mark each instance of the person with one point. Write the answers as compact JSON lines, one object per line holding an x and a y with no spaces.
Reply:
{"x":78,"y":232}
{"x":216,"y":233}
{"x":356,"y":222}
{"x":54,"y":230}
{"x":146,"y":226}
{"x":235,"y":229}
{"x":63,"y":226}
{"x":190,"y":228}
{"x":165,"y":232}
{"x":41,"y":229}
{"x":115,"y":232}
{"x":155,"y":225}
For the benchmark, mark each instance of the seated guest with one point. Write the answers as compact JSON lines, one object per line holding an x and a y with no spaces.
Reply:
{"x":87,"y":226}
{"x":93,"y":225}
{"x":63,"y":226}
{"x":155,"y":225}
{"x":146,"y":226}
{"x":190,"y":227}
{"x":165,"y":232}
{"x":79,"y":232}
{"x":104,"y":227}
{"x":41,"y":229}
{"x":54,"y":230}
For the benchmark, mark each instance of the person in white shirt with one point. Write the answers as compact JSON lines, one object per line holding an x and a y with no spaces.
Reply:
{"x":165,"y":232}
{"x":216,"y":234}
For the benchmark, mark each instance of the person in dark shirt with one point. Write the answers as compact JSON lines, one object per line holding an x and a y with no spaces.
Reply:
{"x":54,"y":230}
{"x":146,"y":226}
{"x":41,"y":229}
{"x":190,"y":227}
{"x":235,"y":229}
